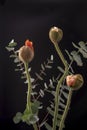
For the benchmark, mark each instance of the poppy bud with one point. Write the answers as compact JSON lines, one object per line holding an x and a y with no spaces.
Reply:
{"x":26,"y":52}
{"x":55,"y":34}
{"x":74,"y":81}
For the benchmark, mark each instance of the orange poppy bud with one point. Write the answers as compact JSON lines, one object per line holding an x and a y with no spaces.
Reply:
{"x":74,"y":81}
{"x":26,"y":53}
{"x":55,"y":34}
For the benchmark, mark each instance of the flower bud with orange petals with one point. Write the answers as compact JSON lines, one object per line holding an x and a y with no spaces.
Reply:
{"x":74,"y":81}
{"x":26,"y":52}
{"x":55,"y":34}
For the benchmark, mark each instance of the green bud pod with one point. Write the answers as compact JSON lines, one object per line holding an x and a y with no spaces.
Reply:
{"x":55,"y":34}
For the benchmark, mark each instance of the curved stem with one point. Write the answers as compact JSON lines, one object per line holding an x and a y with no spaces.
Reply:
{"x":61,"y":55}
{"x":66,"y":110}
{"x":59,"y":85}
{"x":57,"y":100}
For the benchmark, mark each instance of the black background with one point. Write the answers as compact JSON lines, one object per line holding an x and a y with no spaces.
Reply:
{"x":22,"y":19}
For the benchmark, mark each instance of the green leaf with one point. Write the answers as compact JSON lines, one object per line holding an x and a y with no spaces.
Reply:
{"x":70,"y":57}
{"x":42,"y":66}
{"x":77,"y":58}
{"x":16,"y":60}
{"x":83,"y":53}
{"x":51,"y":58}
{"x":48,"y":66}
{"x":65,"y":94}
{"x":50,"y":111}
{"x":38,"y":76}
{"x":62,"y":105}
{"x":60,"y":69}
{"x":35,"y":106}
{"x":75,"y":45}
{"x":83,"y":45}
{"x":12,"y":43}
{"x":41,"y":92}
{"x":26,"y":116}
{"x":33,"y":119}
{"x":10,"y":48}
{"x":17,"y":118}
{"x":48,"y":127}
{"x":13,"y":56}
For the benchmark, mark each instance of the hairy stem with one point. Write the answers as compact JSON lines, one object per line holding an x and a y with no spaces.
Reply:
{"x":66,"y":110}
{"x":57,"y":100}
{"x":29,"y":93}
{"x":59,"y":85}
{"x":29,"y":88}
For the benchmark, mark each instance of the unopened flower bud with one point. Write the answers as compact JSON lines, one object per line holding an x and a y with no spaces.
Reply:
{"x":74,"y":81}
{"x":55,"y":34}
{"x":26,"y":52}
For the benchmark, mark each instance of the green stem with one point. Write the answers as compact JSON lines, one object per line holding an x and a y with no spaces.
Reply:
{"x":35,"y":126}
{"x":29,"y":87}
{"x":57,"y":100}
{"x":29,"y":93}
{"x":59,"y":85}
{"x":66,"y":110}
{"x":61,"y":55}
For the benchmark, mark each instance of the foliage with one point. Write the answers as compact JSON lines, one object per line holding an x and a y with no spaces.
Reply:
{"x":56,"y":87}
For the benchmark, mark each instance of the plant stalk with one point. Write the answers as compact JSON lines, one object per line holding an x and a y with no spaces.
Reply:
{"x":59,"y":85}
{"x":66,"y":110}
{"x":29,"y":93}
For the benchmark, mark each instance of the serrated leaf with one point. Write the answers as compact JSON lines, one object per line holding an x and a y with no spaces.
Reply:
{"x":77,"y":58}
{"x":48,"y":127}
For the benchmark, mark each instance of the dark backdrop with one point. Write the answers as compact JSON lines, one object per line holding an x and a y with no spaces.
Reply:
{"x":21,"y":19}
